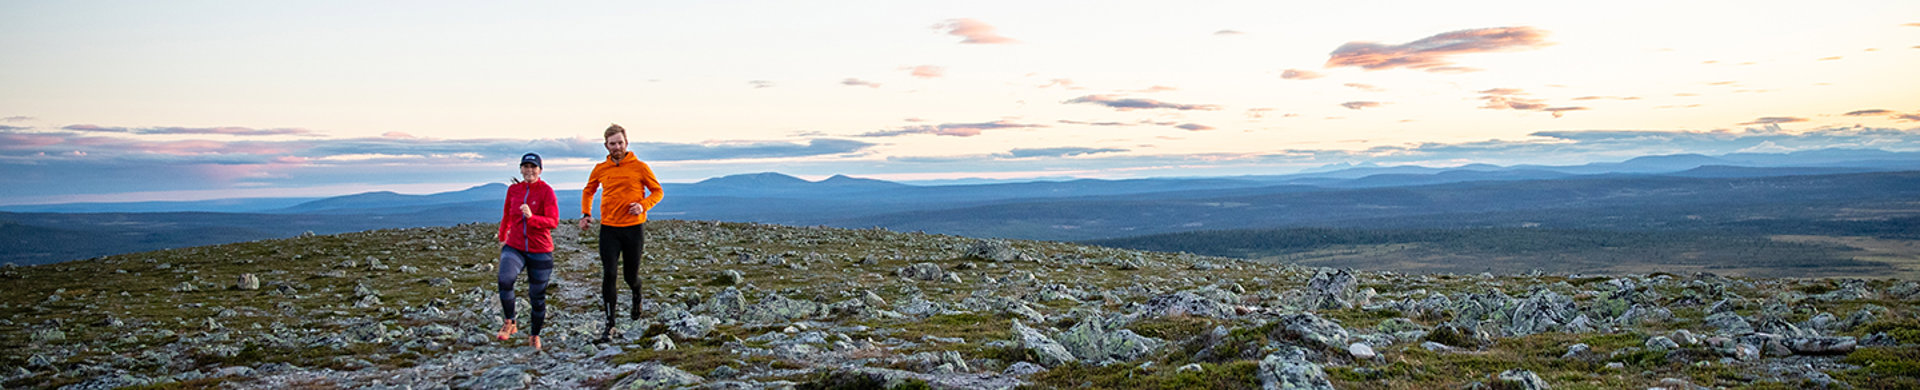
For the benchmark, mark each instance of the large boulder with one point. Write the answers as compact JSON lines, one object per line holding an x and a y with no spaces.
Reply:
{"x":1049,"y":352}
{"x":776,"y":308}
{"x":652,"y":375}
{"x":1094,"y":341}
{"x":1289,"y":369}
{"x":1311,"y":330}
{"x":1543,"y":312}
{"x":1184,"y":303}
{"x":1332,"y":290}
{"x":922,"y":271}
{"x":1518,"y":379}
{"x":727,"y":303}
{"x":993,"y":249}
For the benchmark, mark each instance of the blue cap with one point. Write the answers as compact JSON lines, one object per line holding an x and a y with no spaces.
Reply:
{"x":530,"y":158}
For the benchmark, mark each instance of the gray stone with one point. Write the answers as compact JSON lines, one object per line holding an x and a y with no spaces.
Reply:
{"x":185,"y":287}
{"x":776,"y":308}
{"x":653,"y":375}
{"x":1312,"y":330}
{"x":1821,"y":345}
{"x":1661,"y":343}
{"x":727,"y":303}
{"x":1049,"y":352}
{"x":662,"y":343}
{"x":248,"y":282}
{"x":691,"y":327}
{"x":1521,"y":379}
{"x":1332,"y":290}
{"x":1185,"y":303}
{"x":922,"y":271}
{"x":1729,"y":323}
{"x":1289,"y":369}
{"x":1361,"y":351}
{"x":723,"y":372}
{"x":1092,"y":340}
{"x":729,"y":278}
{"x":439,"y":282}
{"x":512,"y":376}
{"x":993,"y":249}
{"x":48,"y":334}
{"x":1577,"y":351}
{"x":1023,"y":369}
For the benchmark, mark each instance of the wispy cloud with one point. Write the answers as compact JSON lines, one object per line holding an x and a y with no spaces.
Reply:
{"x":13,"y":128}
{"x":853,"y":82}
{"x":1156,"y":88}
{"x":758,"y":84}
{"x":1297,"y":74}
{"x":1090,"y":123}
{"x":1869,"y":112}
{"x":951,"y":129}
{"x":1516,"y":99}
{"x":1434,"y":54}
{"x":230,"y":130}
{"x":1129,"y":104}
{"x":975,"y":32}
{"x":1228,"y":32}
{"x":1360,"y":104}
{"x":1364,"y":87}
{"x":1774,"y":120}
{"x":1058,"y":152}
{"x":1194,"y":127}
{"x":1062,"y":83}
{"x":1607,"y":98}
{"x":1908,"y":117}
{"x":927,"y":71}
{"x":16,"y":119}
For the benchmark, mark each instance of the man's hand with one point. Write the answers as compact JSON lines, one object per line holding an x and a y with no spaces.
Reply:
{"x":584,"y":221}
{"x":526,"y":211}
{"x":636,"y":209}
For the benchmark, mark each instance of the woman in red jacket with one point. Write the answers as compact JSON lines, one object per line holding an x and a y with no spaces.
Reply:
{"x":526,"y":227}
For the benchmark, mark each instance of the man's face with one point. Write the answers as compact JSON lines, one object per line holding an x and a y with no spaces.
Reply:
{"x":617,"y":144}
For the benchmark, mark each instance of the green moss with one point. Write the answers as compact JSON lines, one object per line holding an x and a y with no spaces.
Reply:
{"x":1887,"y":361}
{"x":1233,"y":375}
{"x":1173,"y":327}
{"x":1906,"y":331}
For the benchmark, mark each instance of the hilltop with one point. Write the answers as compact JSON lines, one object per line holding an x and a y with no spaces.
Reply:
{"x":737,"y":305}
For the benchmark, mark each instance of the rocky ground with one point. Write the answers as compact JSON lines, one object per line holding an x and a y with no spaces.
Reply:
{"x":759,"y":306}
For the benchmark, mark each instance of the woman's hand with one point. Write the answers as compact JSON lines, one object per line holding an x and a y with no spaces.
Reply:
{"x":526,"y":211}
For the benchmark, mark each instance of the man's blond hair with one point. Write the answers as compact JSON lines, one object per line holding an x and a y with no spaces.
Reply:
{"x":614,"y":129}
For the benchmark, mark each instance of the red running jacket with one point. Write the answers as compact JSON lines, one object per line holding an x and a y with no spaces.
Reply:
{"x":535,"y":234}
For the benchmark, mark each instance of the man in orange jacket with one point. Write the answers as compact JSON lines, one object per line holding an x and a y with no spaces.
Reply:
{"x":631,"y":190}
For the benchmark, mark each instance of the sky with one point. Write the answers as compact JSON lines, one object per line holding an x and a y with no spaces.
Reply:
{"x":140,"y":100}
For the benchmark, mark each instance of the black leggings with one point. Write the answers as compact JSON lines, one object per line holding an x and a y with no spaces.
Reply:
{"x":620,"y":246}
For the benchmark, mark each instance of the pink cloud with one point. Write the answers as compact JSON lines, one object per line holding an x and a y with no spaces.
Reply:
{"x":16,"y":141}
{"x":1363,"y":87}
{"x":1129,"y":104}
{"x":1062,"y":83}
{"x":1359,"y":105}
{"x":951,"y":129}
{"x":1434,"y":53}
{"x":975,"y":32}
{"x":1156,"y":88}
{"x":1194,"y":127}
{"x":1769,"y":120}
{"x":397,"y":135}
{"x":1607,"y":98}
{"x":1557,"y":111}
{"x":1908,"y":117}
{"x":928,"y":71}
{"x":859,"y":83}
{"x":1297,"y":74}
{"x":1868,"y":112}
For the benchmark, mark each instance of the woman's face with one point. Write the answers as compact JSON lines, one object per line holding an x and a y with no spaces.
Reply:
{"x":528,"y":172}
{"x":617,"y":144}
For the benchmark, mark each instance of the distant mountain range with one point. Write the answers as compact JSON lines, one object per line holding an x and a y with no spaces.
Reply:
{"x":1800,"y":191}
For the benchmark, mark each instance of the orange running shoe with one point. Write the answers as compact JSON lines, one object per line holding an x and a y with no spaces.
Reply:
{"x":507,"y":331}
{"x":536,"y":343}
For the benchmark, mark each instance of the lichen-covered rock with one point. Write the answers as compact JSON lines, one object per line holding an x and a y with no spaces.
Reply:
{"x":1455,"y":335}
{"x":777,"y":308}
{"x":728,"y":303}
{"x":248,"y":282}
{"x":1331,"y":290}
{"x":1184,"y":303}
{"x":1312,"y":331}
{"x":1661,"y":343}
{"x":922,"y":271}
{"x":1092,"y":340}
{"x":1821,"y":345}
{"x":1544,"y":311}
{"x":993,"y":249}
{"x":512,"y":376}
{"x":1049,"y":352}
{"x":691,"y":326}
{"x":1729,"y":323}
{"x":1520,"y":380}
{"x":652,"y":375}
{"x":1289,"y":370}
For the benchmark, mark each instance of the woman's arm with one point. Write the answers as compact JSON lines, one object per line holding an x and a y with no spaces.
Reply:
{"x":548,"y":215}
